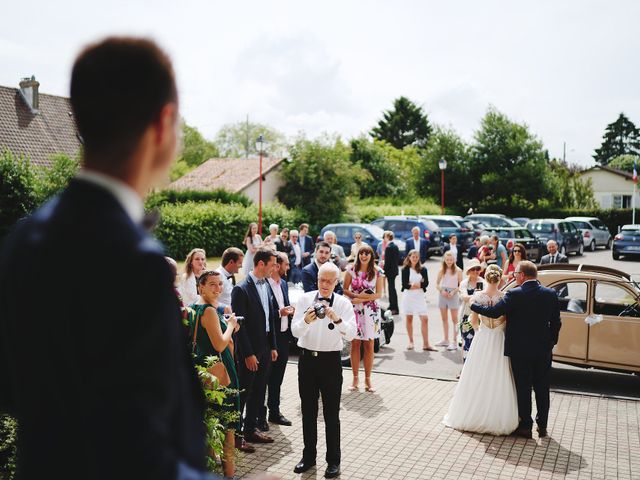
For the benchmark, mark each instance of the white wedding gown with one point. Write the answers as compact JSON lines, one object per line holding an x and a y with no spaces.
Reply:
{"x":485,"y":399}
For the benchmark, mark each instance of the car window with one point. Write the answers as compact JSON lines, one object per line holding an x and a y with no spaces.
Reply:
{"x":630,"y":231}
{"x":572,"y":227}
{"x":540,"y":227}
{"x":376,"y":231}
{"x":342,"y":233}
{"x":582,"y":225}
{"x":572,"y":296}
{"x":445,"y":223}
{"x":379,"y":224}
{"x":562,"y":226}
{"x":598,"y":224}
{"x":612,"y":299}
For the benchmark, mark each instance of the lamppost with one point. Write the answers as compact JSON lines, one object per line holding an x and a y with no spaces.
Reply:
{"x":443,"y":166}
{"x":261,"y":145}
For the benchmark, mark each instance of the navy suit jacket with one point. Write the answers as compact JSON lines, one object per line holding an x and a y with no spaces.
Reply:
{"x":533,"y":319}
{"x":252,"y":338}
{"x":310,"y":279}
{"x":391,"y":260}
{"x":308,"y":247}
{"x":424,"y":252}
{"x":93,"y":359}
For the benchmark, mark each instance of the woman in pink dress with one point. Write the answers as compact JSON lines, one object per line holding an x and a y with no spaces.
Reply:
{"x":363,"y":285}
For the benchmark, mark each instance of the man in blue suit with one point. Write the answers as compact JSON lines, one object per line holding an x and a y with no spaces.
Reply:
{"x":256,"y":341}
{"x":533,"y":326}
{"x":115,"y":394}
{"x":417,"y":243}
{"x":306,"y":244}
{"x":310,"y":272}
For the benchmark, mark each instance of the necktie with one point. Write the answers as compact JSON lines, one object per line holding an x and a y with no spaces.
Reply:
{"x":553,"y":259}
{"x":233,"y":280}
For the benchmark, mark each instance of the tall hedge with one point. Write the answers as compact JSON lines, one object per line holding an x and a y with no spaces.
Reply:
{"x":215,"y":226}
{"x":367,"y":213}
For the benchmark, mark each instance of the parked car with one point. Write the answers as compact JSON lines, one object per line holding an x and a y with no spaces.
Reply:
{"x":509,"y":236}
{"x":453,"y":224}
{"x":522,"y":221}
{"x":401,"y":226}
{"x":492,"y":219}
{"x":371,"y":234}
{"x":594,"y":232}
{"x":565,"y":233}
{"x":477,"y":227}
{"x":627,"y":242}
{"x":600,"y":313}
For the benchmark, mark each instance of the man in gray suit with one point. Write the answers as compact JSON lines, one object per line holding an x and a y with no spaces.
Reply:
{"x":553,"y":256}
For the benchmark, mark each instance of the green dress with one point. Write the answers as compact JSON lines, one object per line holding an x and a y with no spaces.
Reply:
{"x":204,"y":349}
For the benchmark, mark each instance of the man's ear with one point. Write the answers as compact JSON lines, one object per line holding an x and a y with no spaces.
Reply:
{"x":166,"y":123}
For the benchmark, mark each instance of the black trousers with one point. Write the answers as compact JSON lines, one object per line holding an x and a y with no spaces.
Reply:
{"x":320,"y":375}
{"x":393,"y":295}
{"x":275,"y":377}
{"x":533,"y":372}
{"x":253,"y":386}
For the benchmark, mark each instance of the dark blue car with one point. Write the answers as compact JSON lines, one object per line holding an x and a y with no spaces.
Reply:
{"x":627,"y":242}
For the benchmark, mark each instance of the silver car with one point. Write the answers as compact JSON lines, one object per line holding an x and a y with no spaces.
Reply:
{"x":594,"y":232}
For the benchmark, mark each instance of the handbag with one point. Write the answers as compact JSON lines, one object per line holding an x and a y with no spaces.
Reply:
{"x":218,"y":369}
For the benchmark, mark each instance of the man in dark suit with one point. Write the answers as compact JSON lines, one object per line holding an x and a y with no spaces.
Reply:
{"x":456,"y":249}
{"x":256,"y":340}
{"x":280,"y":290}
{"x":116,"y":394}
{"x":391,"y":261}
{"x":306,"y":244}
{"x":417,"y":243}
{"x":310,"y":272}
{"x":553,"y":256}
{"x":533,"y":326}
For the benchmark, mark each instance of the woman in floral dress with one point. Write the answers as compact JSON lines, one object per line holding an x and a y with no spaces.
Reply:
{"x":363,"y":285}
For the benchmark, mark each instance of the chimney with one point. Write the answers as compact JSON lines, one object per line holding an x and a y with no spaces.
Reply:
{"x":29,"y":90}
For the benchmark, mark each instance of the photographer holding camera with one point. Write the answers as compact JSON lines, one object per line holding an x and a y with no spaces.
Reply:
{"x":321,"y":321}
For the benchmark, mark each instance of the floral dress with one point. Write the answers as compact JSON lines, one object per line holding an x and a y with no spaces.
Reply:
{"x":367,"y":313}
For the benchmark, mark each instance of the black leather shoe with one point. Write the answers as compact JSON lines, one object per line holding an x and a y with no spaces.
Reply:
{"x":522,"y":432}
{"x":280,"y":420}
{"x":332,"y":471}
{"x":263,"y":426}
{"x":304,"y":465}
{"x":542,"y":432}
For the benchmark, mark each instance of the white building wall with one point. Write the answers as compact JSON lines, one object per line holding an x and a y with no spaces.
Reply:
{"x":270,"y":185}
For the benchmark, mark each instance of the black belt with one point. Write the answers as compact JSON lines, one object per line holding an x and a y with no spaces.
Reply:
{"x":312,"y":353}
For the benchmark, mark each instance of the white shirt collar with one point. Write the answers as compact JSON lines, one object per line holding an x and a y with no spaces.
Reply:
{"x":123,"y":193}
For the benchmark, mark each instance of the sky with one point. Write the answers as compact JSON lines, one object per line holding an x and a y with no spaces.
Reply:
{"x":566,"y":68}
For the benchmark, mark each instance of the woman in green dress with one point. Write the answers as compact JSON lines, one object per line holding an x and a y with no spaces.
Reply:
{"x":214,"y":339}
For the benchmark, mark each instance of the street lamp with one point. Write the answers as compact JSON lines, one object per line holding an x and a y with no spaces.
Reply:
{"x":261,"y":145}
{"x":443,"y":166}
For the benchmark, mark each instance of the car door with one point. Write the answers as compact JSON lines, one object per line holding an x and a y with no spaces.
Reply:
{"x":574,"y":334}
{"x":600,"y":231}
{"x":615,"y":340}
{"x":576,"y":235}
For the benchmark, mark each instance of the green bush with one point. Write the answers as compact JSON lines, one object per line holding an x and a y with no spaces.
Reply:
{"x":8,"y":446}
{"x":157,"y":199}
{"x":215,"y":226}
{"x":18,"y":190}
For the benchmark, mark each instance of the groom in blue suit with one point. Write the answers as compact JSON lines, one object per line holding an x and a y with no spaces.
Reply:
{"x":533,"y":325}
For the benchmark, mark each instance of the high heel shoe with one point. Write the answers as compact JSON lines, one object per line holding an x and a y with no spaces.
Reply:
{"x":367,"y":385}
{"x":354,"y":387}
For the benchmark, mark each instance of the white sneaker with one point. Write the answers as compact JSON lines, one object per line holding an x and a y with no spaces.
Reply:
{"x":443,"y":343}
{"x":452,"y":347}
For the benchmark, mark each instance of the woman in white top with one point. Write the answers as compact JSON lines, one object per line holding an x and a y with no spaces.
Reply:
{"x":415,"y":281}
{"x":194,"y":265}
{"x":485,"y":398}
{"x":252,"y":241}
{"x":448,"y":283}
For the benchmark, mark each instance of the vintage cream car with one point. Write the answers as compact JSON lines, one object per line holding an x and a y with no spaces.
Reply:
{"x":600,"y":313}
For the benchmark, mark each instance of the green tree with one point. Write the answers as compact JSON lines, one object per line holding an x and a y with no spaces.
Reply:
{"x":509,"y":164}
{"x":195,"y":151}
{"x":404,"y":125}
{"x":625,"y":162}
{"x":18,"y":196}
{"x":568,"y":189}
{"x":319,"y":179}
{"x":53,"y":179}
{"x":621,"y":137}
{"x":238,"y":140}
{"x":445,"y":144}
{"x":386,"y":166}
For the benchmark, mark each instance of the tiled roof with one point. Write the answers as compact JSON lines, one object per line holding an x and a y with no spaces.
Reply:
{"x":622,"y":173}
{"x":38,"y":136}
{"x":233,"y":174}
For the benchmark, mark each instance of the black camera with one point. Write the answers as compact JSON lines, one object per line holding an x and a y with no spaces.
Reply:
{"x":320,"y":310}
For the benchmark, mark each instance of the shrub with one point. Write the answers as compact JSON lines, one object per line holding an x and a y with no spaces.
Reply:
{"x":214,"y":226}
{"x":18,"y":190}
{"x":221,"y":195}
{"x":365,"y":213}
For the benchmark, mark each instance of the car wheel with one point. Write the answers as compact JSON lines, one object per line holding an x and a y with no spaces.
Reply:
{"x":592,"y":246}
{"x":616,"y":256}
{"x":608,"y":245}
{"x":563,"y":249}
{"x":580,"y":249}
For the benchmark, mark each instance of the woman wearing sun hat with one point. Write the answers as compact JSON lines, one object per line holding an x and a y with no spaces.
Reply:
{"x":471,"y":284}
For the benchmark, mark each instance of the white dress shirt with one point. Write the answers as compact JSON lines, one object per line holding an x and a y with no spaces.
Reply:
{"x":316,"y":335}
{"x":188,"y":290}
{"x":123,"y":193}
{"x":227,"y":286}
{"x":454,"y":249}
{"x":298,"y":251}
{"x":277,"y":292}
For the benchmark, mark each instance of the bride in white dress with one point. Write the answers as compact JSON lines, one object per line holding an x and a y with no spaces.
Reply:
{"x":485,"y":398}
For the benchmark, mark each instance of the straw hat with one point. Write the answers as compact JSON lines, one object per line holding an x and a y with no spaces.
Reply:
{"x":474,"y":263}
